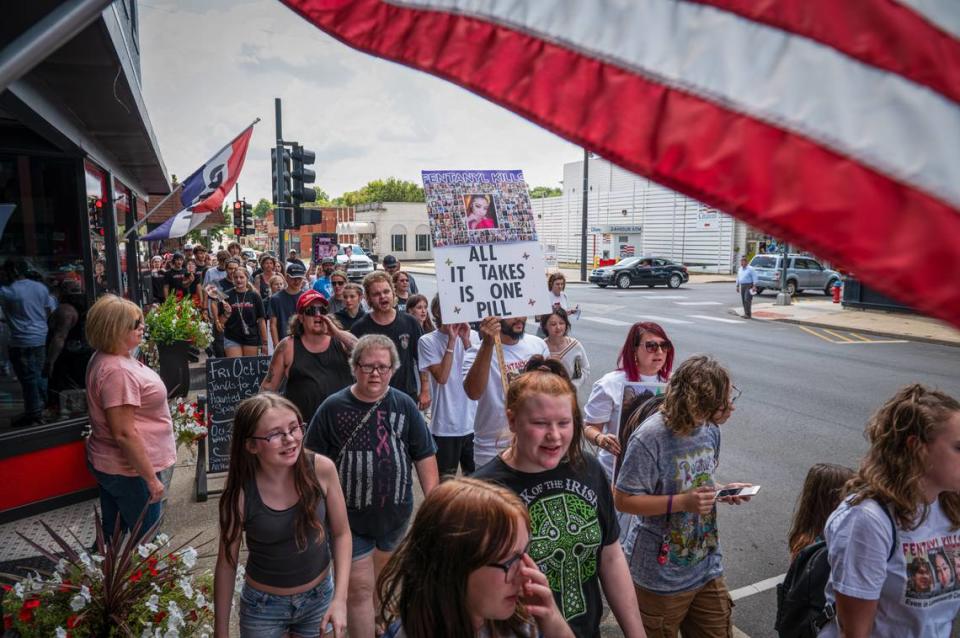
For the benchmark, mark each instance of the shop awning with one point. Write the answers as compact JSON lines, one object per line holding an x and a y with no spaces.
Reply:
{"x":356,"y":228}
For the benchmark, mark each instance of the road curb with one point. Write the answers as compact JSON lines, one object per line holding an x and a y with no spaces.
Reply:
{"x":876,"y":333}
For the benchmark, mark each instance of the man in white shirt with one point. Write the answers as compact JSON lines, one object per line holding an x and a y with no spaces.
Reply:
{"x":441,"y":352}
{"x":746,"y":286}
{"x":482,"y":380}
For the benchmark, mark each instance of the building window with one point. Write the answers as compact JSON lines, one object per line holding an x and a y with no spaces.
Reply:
{"x":398,"y":243}
{"x":423,"y":243}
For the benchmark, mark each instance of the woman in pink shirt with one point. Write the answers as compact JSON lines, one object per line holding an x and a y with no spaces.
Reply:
{"x":131,"y":438}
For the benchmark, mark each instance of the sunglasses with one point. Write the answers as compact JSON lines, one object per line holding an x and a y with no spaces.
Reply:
{"x":137,"y":324}
{"x":313,"y":311}
{"x":339,"y":283}
{"x":653,"y":346}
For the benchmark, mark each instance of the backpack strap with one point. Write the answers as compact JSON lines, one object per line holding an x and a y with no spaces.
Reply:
{"x":893,"y":528}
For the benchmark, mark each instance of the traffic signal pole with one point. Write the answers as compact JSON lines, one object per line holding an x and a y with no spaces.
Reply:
{"x":279,"y":212}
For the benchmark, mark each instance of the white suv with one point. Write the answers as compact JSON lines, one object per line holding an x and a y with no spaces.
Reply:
{"x":360,"y":265}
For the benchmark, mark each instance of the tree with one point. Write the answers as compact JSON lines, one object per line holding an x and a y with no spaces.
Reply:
{"x":391,"y":190}
{"x":545,"y":191}
{"x":260,"y":210}
{"x":322,"y":198}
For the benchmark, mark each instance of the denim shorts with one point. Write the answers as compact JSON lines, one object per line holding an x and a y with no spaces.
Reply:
{"x":230,"y":343}
{"x":264,"y":615}
{"x":363,"y":546}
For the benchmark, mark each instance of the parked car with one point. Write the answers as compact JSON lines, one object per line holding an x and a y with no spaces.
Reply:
{"x":803,"y":273}
{"x":648,"y":271}
{"x":360,"y":264}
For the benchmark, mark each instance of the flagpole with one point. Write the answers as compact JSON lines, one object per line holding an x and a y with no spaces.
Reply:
{"x":179,"y":187}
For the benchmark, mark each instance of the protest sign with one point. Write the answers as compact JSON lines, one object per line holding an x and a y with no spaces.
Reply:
{"x":488,"y":260}
{"x":324,"y":245}
{"x":229,"y":381}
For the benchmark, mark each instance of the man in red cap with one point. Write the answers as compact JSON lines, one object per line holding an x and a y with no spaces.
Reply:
{"x":314,"y":360}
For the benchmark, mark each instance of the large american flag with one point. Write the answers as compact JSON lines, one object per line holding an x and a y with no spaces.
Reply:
{"x":833,"y":124}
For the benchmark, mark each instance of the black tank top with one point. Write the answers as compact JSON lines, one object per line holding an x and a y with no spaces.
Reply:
{"x":274,"y":559}
{"x":314,"y":376}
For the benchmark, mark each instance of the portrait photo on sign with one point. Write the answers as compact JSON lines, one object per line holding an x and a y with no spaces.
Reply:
{"x":478,"y":207}
{"x":635,"y":395}
{"x":481,"y":211}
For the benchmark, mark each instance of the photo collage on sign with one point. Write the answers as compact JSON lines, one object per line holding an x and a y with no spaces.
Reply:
{"x":478,"y":207}
{"x":933,"y":574}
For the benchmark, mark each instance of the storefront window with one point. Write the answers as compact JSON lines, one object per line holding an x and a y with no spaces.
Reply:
{"x":96,"y":182}
{"x":42,"y":291}
{"x":123,"y":202}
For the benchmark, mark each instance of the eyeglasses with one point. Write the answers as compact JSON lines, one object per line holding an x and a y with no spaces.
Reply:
{"x":370,"y":369}
{"x":312,"y":311}
{"x":276,"y":438}
{"x":653,"y":346}
{"x":735,"y":394}
{"x":511,"y":566}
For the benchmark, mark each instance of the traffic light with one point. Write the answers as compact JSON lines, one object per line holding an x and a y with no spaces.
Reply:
{"x":281,"y":188}
{"x":238,"y":218}
{"x":247,"y":215}
{"x":301,"y":177}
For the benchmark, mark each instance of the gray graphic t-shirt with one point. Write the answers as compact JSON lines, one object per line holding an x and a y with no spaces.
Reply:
{"x":657,"y":461}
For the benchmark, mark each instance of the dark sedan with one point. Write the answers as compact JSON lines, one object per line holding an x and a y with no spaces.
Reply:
{"x":642,"y":271}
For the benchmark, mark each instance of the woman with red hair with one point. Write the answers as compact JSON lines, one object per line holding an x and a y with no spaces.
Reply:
{"x":646,"y":357}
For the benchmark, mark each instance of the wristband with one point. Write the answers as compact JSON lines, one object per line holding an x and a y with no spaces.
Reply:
{"x":449,"y":350}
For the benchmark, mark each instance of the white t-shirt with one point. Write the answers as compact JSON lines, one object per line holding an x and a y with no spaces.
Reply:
{"x":452,"y":411}
{"x":490,"y":425}
{"x":603,"y":406}
{"x":921,"y":606}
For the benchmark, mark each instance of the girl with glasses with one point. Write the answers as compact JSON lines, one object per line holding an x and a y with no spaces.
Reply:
{"x":575,"y":535}
{"x":667,"y":478}
{"x":401,"y":288}
{"x":288,"y":505}
{"x":646,"y":357}
{"x":464,"y":570}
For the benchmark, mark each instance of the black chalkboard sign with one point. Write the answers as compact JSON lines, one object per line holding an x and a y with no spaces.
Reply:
{"x":229,"y":381}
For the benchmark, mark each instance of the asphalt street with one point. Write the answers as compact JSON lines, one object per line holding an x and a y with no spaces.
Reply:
{"x":806,"y":398}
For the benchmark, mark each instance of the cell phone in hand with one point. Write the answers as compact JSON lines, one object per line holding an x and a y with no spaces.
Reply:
{"x":738,"y":491}
{"x":217,"y":293}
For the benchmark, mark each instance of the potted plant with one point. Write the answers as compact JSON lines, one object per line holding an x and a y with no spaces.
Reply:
{"x":170,"y":329}
{"x":123,"y":588}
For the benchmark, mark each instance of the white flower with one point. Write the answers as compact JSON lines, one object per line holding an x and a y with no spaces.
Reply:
{"x":18,"y":590}
{"x":153,"y":603}
{"x":97,"y":558}
{"x":189,"y":557}
{"x":78,"y":602}
{"x":162,"y":539}
{"x":85,"y":592}
{"x":61,"y":632}
{"x":147,"y":633}
{"x":85,"y":559}
{"x":175,"y":618}
{"x":62,"y":566}
{"x":201,"y":599}
{"x":186,"y":587}
{"x":56,"y":579}
{"x":171,"y":633}
{"x":143,"y":551}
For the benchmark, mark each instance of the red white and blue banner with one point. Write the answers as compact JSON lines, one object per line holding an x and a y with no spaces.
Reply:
{"x":207,"y":187}
{"x":834,"y":125}
{"x":177,"y":226}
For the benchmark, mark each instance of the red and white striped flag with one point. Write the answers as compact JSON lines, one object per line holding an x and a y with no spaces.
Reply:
{"x":834,"y":125}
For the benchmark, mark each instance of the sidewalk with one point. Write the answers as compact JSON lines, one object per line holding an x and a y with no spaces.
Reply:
{"x":572,"y":273}
{"x":823,"y":313}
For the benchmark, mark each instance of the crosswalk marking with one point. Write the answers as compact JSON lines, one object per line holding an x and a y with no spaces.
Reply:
{"x":665,"y":319}
{"x":720,"y":319}
{"x":609,"y":322}
{"x":698,"y":303}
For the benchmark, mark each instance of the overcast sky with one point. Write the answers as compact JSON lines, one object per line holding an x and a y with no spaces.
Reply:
{"x":210,"y":67}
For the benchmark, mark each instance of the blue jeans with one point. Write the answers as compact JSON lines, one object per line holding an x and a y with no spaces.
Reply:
{"x":28,"y":364}
{"x":264,"y":615}
{"x":124,"y":497}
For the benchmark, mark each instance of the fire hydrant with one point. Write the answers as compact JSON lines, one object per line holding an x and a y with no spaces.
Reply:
{"x":837,"y":287}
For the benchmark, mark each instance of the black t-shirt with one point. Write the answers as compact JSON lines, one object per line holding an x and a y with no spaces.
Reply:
{"x":346,"y":320}
{"x":283,"y":305}
{"x":174,"y":279}
{"x":241,"y":325}
{"x":376,"y":468}
{"x":157,"y":279}
{"x":405,"y":333}
{"x":572,"y":519}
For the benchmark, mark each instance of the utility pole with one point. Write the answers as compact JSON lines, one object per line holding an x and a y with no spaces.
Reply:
{"x":279,"y":209}
{"x":583,"y":222}
{"x":783,"y":299}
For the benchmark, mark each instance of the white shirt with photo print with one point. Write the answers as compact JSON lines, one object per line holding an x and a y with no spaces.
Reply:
{"x":858,"y":543}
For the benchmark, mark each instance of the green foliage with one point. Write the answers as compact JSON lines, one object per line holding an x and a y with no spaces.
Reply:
{"x":391,"y":190}
{"x":174,"y":321}
{"x":261,"y":208}
{"x":322,"y":198}
{"x":545,"y":191}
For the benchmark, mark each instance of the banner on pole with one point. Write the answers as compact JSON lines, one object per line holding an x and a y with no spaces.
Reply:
{"x":488,"y":260}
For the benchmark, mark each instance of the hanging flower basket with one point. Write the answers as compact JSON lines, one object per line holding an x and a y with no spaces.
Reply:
{"x":170,"y":329}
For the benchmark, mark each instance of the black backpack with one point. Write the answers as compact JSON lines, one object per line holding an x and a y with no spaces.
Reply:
{"x":802,"y":608}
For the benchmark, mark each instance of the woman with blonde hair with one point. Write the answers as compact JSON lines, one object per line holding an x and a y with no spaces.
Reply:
{"x":463,"y":570}
{"x":131,"y":433}
{"x":913,"y":470}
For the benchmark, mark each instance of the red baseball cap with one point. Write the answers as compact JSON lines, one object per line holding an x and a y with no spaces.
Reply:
{"x":309,"y":298}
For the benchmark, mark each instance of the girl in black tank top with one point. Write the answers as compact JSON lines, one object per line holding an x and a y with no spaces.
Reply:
{"x":314,"y":376}
{"x":289,"y":505}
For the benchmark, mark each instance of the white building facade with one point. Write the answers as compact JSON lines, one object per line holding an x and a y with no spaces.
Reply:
{"x":631,"y":215}
{"x":400,"y":229}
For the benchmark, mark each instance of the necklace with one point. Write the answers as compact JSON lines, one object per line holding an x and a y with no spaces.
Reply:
{"x":241,"y":301}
